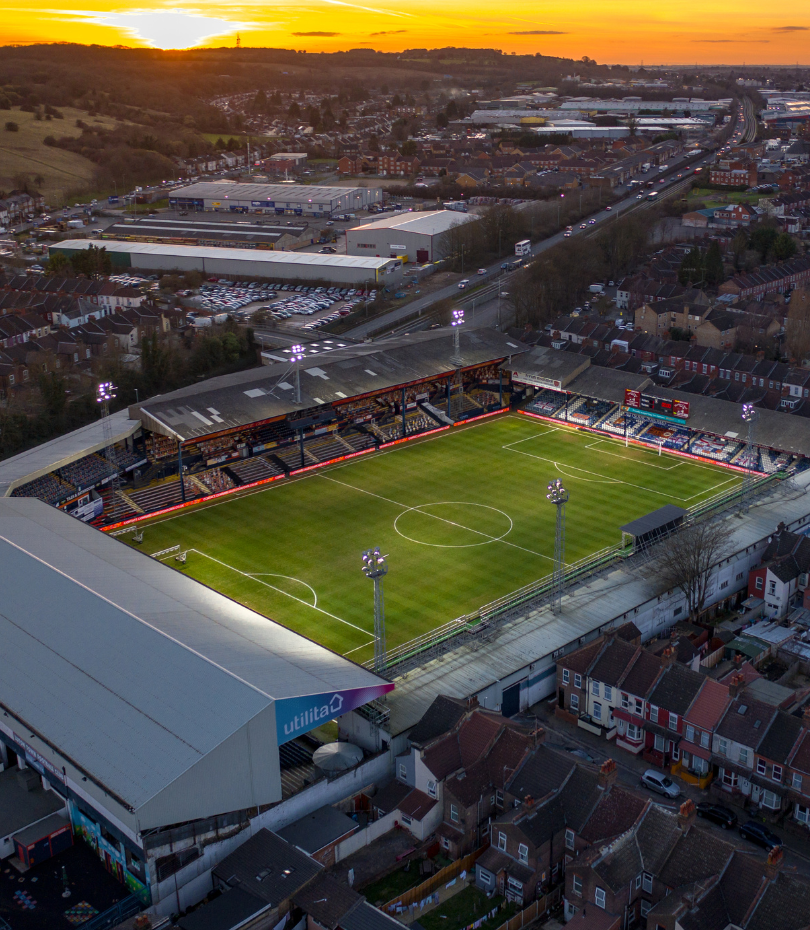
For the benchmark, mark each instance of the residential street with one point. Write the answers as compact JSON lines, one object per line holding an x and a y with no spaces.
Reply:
{"x":559,"y":732}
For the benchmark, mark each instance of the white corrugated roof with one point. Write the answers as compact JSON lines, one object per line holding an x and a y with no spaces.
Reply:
{"x":242,"y":255}
{"x":431,"y":223}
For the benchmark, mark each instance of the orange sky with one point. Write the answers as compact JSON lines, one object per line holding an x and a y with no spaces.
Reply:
{"x":622,"y":31}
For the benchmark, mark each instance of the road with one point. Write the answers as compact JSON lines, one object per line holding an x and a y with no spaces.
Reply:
{"x":749,"y":133}
{"x":489,"y":289}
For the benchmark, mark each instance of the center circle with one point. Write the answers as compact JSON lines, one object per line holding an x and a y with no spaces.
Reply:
{"x":453,"y":524}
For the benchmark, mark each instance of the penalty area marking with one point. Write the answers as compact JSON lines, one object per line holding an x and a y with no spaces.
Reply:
{"x":289,"y":578}
{"x":485,"y":542}
{"x":280,"y":590}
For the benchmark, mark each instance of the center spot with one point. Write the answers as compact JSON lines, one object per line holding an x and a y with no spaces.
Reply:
{"x":453,"y":524}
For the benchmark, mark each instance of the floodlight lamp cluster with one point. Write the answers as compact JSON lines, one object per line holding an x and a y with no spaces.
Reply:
{"x":556,"y":492}
{"x":105,"y":392}
{"x":297,"y":353}
{"x":458,"y":317}
{"x":374,"y":563}
{"x":749,"y":411}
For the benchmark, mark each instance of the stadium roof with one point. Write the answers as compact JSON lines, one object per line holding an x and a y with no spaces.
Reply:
{"x":658,"y":519}
{"x":246,"y":397}
{"x":430,"y":223}
{"x":170,"y":698}
{"x":25,"y":466}
{"x":118,"y":246}
{"x":775,"y":429}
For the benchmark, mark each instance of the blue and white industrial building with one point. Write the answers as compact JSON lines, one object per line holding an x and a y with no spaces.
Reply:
{"x":278,"y":199}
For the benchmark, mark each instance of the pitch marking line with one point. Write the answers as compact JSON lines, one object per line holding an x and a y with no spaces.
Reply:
{"x":280,"y":591}
{"x":405,"y":508}
{"x":289,"y":578}
{"x":358,"y":648}
{"x":616,"y":455}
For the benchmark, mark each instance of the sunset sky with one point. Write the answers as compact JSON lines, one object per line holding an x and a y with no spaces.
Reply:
{"x":623,"y":31}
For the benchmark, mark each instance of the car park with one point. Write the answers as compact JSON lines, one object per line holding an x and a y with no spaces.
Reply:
{"x":718,"y":814}
{"x":660,"y":783}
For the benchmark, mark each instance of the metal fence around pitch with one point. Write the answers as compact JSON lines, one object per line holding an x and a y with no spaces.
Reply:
{"x":478,"y":625}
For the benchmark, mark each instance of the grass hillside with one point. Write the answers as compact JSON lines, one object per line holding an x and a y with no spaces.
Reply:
{"x":24,"y":153}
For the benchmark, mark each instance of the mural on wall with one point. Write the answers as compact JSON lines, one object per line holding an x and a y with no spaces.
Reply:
{"x":110,"y":854}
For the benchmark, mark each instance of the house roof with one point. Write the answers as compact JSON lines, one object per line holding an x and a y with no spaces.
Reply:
{"x":442,"y":715}
{"x":785,"y":905}
{"x":326,"y":900}
{"x":745,"y":721}
{"x":366,"y":917}
{"x":709,"y":706}
{"x":579,"y":795}
{"x":416,"y":804}
{"x":787,"y":555}
{"x":388,"y":798}
{"x":612,"y":662}
{"x":642,"y":674}
{"x":267,"y":867}
{"x":696,"y":855}
{"x":781,"y":737}
{"x":544,"y":771}
{"x":616,"y":811}
{"x":740,"y":884}
{"x":232,"y":909}
{"x":318,"y":829}
{"x":676,"y":689}
{"x":580,"y":660}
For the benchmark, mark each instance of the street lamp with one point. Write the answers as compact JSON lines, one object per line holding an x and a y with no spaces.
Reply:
{"x":375,"y":567}
{"x":558,"y":496}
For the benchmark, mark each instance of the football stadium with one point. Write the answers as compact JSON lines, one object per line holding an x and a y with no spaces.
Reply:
{"x":437,"y":451}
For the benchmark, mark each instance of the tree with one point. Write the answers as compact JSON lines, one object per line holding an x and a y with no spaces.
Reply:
{"x":692,"y":271}
{"x":92,"y":262}
{"x":784,"y":247}
{"x":409,"y":148}
{"x":686,"y":560}
{"x":59,"y":264}
{"x":762,"y":240}
{"x":294,"y":111}
{"x":441,"y":120}
{"x":739,"y":246}
{"x":11,"y":126}
{"x":52,"y":389}
{"x":713,"y":265}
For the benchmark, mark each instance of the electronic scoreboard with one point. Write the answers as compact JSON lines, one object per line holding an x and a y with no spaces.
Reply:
{"x":657,"y":406}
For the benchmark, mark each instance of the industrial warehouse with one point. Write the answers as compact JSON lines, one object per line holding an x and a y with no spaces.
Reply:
{"x":214,"y":230}
{"x":279,"y":199}
{"x":412,"y":237}
{"x":243,"y":263}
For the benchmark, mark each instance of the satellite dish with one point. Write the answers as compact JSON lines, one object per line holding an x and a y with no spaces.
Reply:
{"x":337,"y":757}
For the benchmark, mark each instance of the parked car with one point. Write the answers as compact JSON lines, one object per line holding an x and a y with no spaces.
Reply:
{"x":661,"y":783}
{"x":717,"y":814}
{"x":758,"y":833}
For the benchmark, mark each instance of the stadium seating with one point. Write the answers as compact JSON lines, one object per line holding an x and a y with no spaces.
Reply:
{"x":291,"y":457}
{"x":272,"y":434}
{"x":49,"y":488}
{"x":255,"y":469}
{"x":325,"y":448}
{"x":126,"y":458}
{"x":87,"y":471}
{"x":164,"y":495}
{"x":546,"y":403}
{"x":357,"y":440}
{"x":215,"y":479}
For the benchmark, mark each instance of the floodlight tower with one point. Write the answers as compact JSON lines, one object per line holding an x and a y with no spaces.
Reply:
{"x":458,"y":320}
{"x":376,"y":568}
{"x":558,"y":496}
{"x":750,"y":415}
{"x":105,"y":392}
{"x":297,"y":354}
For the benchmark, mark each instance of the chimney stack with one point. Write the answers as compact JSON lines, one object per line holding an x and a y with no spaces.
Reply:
{"x":608,"y":772}
{"x":736,"y":685}
{"x":687,"y":814}
{"x":738,"y":661}
{"x":668,"y":656}
{"x":774,"y":863}
{"x":528,"y":802}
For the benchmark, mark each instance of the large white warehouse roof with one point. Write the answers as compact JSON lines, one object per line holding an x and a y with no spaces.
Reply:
{"x":429,"y":223}
{"x":268,"y":258}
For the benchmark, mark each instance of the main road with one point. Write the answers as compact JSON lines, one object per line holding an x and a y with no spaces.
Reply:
{"x":675,"y":175}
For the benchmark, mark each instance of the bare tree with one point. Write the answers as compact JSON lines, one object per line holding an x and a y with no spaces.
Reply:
{"x":686,"y":560}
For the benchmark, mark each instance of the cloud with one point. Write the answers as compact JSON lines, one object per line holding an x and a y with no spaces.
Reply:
{"x":791,"y":28}
{"x":322,"y":35}
{"x":538,"y":32}
{"x":390,"y":32}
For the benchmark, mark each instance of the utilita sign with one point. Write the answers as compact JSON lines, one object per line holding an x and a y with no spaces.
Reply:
{"x":297,"y":715}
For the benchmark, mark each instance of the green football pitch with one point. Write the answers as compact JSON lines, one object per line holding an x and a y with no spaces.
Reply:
{"x":462,"y":516}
